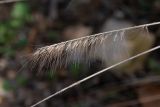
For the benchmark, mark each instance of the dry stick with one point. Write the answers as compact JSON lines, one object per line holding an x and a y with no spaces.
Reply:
{"x":134,"y":82}
{"x":95,"y":74}
{"x":146,"y":80}
{"x":134,"y":102}
{"x":9,"y":1}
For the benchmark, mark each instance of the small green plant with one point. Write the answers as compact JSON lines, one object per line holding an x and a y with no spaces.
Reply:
{"x":9,"y":29}
{"x":75,"y":69}
{"x":21,"y":80}
{"x":7,"y":86}
{"x":154,"y":66}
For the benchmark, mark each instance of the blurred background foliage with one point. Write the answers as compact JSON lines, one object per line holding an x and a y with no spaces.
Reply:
{"x":27,"y":25}
{"x":9,"y":28}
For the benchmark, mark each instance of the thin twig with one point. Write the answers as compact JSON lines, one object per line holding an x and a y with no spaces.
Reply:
{"x":138,"y":82}
{"x":113,"y":88}
{"x":9,"y":1}
{"x":96,"y":74}
{"x":134,"y":102}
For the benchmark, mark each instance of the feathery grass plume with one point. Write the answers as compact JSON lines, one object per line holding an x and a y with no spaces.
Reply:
{"x":83,"y":49}
{"x":105,"y":45}
{"x":110,"y":47}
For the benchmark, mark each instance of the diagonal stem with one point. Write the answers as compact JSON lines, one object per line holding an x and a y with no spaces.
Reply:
{"x":103,"y":33}
{"x":9,"y":1}
{"x":96,"y":74}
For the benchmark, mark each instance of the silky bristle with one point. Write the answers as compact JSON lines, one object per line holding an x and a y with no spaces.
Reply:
{"x":61,"y":54}
{"x":104,"y":46}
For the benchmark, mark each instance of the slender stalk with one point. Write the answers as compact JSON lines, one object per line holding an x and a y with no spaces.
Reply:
{"x":134,"y":102}
{"x":95,"y":74}
{"x":9,"y":1}
{"x":123,"y":29}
